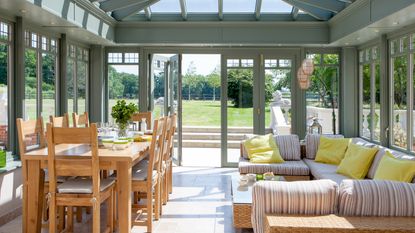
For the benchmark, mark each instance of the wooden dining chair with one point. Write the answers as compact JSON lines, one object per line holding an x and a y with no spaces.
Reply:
{"x":138,"y":117}
{"x":87,"y":189}
{"x":80,"y":120}
{"x":62,"y":121}
{"x":31,"y":135}
{"x":146,"y":177}
{"x":167,"y":160}
{"x":169,"y":163}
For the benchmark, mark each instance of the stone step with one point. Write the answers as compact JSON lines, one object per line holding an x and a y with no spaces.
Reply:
{"x":205,"y":129}
{"x":208,"y":144}
{"x":210,"y":136}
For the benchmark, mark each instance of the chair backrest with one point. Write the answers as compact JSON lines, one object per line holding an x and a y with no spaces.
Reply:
{"x":138,"y":117}
{"x":80,"y":120}
{"x":62,"y":121}
{"x":30,"y":133}
{"x":73,"y":165}
{"x":156,"y":147}
{"x":169,"y":138}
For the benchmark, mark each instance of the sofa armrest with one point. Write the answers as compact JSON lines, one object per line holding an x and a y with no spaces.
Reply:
{"x":317,"y":197}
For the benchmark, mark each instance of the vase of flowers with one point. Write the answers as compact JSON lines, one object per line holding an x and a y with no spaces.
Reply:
{"x":122,"y":112}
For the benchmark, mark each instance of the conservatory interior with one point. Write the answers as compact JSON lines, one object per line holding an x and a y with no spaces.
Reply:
{"x":214,"y":116}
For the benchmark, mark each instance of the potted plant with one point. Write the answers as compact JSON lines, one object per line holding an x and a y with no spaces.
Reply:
{"x":122,"y":112}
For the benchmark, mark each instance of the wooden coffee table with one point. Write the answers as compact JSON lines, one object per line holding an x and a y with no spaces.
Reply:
{"x":242,"y":201}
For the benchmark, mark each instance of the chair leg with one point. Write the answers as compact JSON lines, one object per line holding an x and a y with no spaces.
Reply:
{"x":135,"y":198}
{"x":69,"y":224}
{"x":110,"y":212}
{"x":78,"y":214}
{"x":149,"y":211}
{"x":166,"y":187}
{"x":96,"y":217}
{"x":170,"y":181}
{"x":61,"y":215}
{"x":157,"y":200}
{"x":52,"y":216}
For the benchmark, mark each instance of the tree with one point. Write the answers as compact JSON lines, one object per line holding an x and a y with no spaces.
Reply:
{"x":190,"y":78}
{"x":213,"y":80}
{"x":240,"y":85}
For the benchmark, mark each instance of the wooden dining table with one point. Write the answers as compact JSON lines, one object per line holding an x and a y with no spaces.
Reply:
{"x":121,"y":161}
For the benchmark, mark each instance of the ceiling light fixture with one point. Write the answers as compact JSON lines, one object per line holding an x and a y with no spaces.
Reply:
{"x":376,"y":30}
{"x":347,"y":43}
{"x":358,"y":38}
{"x":395,"y":23}
{"x":23,"y":11}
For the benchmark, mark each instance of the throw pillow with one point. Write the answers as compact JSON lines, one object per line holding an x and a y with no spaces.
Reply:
{"x":391,"y":168}
{"x":357,"y":161}
{"x":331,"y":150}
{"x":263,"y":149}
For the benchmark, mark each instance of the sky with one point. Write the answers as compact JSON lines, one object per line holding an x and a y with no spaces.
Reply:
{"x":204,"y":63}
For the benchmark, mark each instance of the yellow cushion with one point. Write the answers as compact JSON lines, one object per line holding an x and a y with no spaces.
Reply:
{"x":331,"y":150}
{"x":263,"y":149}
{"x":391,"y":168}
{"x":357,"y":161}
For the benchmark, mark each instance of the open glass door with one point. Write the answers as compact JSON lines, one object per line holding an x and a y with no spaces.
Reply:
{"x":240,"y":105}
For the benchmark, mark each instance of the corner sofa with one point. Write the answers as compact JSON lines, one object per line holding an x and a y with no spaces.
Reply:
{"x":331,"y":201}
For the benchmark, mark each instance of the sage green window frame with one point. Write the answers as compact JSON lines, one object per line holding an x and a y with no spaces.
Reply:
{"x":122,"y":51}
{"x":369,"y":56}
{"x":8,"y":41}
{"x":397,"y":48}
{"x":39,"y":51}
{"x":76,"y":57}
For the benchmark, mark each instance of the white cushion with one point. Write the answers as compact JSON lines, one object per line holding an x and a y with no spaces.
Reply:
{"x":82,"y":185}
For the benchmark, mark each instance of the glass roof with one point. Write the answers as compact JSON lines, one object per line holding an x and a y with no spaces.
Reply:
{"x":275,"y":6}
{"x":166,"y":6}
{"x":205,"y":6}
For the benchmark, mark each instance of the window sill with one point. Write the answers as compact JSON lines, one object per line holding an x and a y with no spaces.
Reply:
{"x":10,"y":166}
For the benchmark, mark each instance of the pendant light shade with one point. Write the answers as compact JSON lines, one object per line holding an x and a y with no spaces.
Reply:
{"x":308,"y":66}
{"x":303,"y":79}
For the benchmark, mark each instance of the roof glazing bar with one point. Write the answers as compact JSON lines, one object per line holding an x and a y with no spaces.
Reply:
{"x":311,"y":10}
{"x":258,"y":9}
{"x":112,"y":5}
{"x":220,"y":9}
{"x":330,"y":5}
{"x":147,"y":11}
{"x":125,"y":12}
{"x":183,"y":9}
{"x":294,"y":12}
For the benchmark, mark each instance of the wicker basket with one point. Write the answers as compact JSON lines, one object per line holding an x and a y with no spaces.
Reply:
{"x":242,"y":216}
{"x":335,"y":224}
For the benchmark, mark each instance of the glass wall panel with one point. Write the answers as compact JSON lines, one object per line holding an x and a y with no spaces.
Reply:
{"x":81,"y":84}
{"x":30,"y":102}
{"x":4,"y":73}
{"x":70,"y":92}
{"x":366,"y":101}
{"x":278,"y":75}
{"x":376,"y":116}
{"x":399,"y":110}
{"x":323,"y":93}
{"x":77,"y":79}
{"x":48,"y":85}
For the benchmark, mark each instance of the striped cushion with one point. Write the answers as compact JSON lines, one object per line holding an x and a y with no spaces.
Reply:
{"x":313,"y":140}
{"x":288,"y":145}
{"x":317,"y":197}
{"x":288,"y":168}
{"x":376,"y":198}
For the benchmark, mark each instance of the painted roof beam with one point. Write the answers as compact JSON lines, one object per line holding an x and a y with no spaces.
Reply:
{"x":220,"y":9}
{"x":294,"y":12}
{"x":311,"y":10}
{"x":125,"y":12}
{"x":183,"y":9}
{"x":112,"y":5}
{"x":330,"y":5}
{"x":258,"y":9}
{"x":147,"y":11}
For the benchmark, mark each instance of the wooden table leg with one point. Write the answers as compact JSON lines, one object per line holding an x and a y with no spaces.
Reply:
{"x":124,"y":196}
{"x":35,"y":185}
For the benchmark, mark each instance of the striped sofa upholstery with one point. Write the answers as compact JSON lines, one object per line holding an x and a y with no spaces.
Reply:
{"x":318,"y":197}
{"x":376,"y":198}
{"x":313,"y":140}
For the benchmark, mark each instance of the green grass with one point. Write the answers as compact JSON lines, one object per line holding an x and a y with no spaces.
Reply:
{"x":195,"y":112}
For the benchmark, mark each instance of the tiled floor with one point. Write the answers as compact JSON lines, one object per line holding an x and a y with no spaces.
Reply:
{"x":200,"y":203}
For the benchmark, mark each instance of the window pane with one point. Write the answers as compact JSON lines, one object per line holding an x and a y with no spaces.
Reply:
{"x":4,"y":31}
{"x":376,"y":117}
{"x":166,"y":6}
{"x":194,"y":6}
{"x":394,"y":47}
{"x":239,"y":6}
{"x":285,"y":63}
{"x":331,"y":59}
{"x":278,"y":100}
{"x":399,"y":137}
{"x":30,"y":104}
{"x":4,"y":118}
{"x":81,"y":77}
{"x":122,"y":84}
{"x":48,"y":85}
{"x":232,"y":63}
{"x":316,"y":58}
{"x":322,"y":96}
{"x":366,"y":101}
{"x":247,"y":62}
{"x":131,"y":57}
{"x":34,"y":40}
{"x":269,"y":63}
{"x":114,"y":57}
{"x":70,"y":92}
